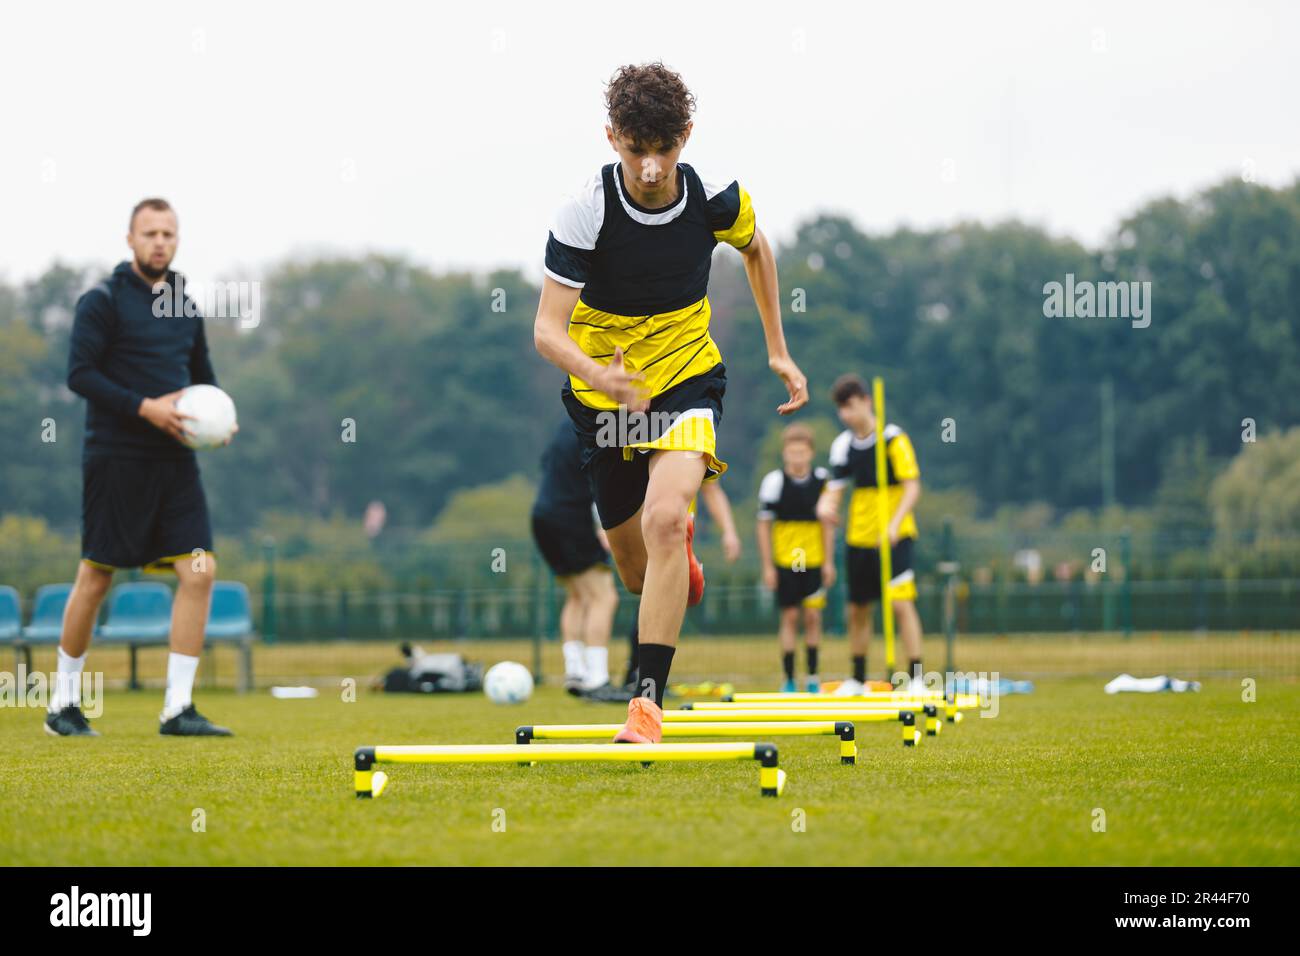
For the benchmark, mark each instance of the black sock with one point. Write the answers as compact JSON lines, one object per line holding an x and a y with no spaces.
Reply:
{"x":656,"y":662}
{"x":787,"y":664}
{"x":811,"y":653}
{"x":917,"y":673}
{"x":860,"y":668}
{"x":634,"y":639}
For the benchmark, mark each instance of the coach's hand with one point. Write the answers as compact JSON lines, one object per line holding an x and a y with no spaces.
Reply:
{"x":161,"y":413}
{"x":828,"y":575}
{"x":623,"y":387}
{"x":795,"y":383}
{"x":769,"y":577}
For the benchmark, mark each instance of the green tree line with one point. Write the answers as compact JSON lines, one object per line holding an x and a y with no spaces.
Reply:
{"x":444,"y":393}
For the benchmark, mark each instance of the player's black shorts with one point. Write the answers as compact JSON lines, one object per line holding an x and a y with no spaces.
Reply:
{"x":619,"y":485}
{"x":793,"y":588}
{"x":864,"y":573}
{"x":142,"y":512}
{"x":568,"y":547}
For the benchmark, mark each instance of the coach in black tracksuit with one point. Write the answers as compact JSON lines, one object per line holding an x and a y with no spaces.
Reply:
{"x":143,"y":504}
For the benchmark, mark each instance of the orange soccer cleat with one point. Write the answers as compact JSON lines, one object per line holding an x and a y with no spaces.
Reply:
{"x":645,"y":723}
{"x":695,"y":570}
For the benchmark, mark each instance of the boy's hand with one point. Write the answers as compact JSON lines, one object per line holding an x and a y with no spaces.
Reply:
{"x":624,"y":388}
{"x":826,"y":513}
{"x":828,"y":575}
{"x":795,"y":383}
{"x":769,"y":577}
{"x":161,"y":413}
{"x":731,"y":547}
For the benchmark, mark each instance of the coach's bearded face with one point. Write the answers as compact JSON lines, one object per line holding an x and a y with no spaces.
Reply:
{"x":153,"y":239}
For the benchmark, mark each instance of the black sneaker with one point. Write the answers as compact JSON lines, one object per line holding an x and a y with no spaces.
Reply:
{"x":190,"y":723}
{"x":609,"y":694}
{"x":69,"y":722}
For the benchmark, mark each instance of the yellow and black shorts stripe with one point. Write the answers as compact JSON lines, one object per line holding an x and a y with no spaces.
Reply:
{"x":617,"y":445}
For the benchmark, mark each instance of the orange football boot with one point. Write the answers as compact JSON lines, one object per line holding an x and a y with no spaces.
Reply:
{"x":645,"y":723}
{"x":695,"y":570}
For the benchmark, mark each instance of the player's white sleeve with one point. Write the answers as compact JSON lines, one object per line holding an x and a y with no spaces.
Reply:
{"x":769,"y":493}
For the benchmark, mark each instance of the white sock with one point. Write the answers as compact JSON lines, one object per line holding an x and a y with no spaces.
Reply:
{"x":180,"y":683}
{"x":574,"y":652}
{"x":67,"y":682}
{"x":597,"y":666}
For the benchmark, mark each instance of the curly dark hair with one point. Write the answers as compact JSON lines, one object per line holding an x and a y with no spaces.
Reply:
{"x":649,"y":104}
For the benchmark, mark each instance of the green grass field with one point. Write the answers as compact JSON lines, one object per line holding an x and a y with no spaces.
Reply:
{"x":1200,"y":779}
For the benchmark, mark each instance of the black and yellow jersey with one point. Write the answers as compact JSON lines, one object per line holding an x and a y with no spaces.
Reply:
{"x":791,"y":505}
{"x":853,"y":459}
{"x":644,"y":274}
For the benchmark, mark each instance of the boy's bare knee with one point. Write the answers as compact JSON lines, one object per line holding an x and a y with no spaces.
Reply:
{"x":94,"y":581}
{"x":663,"y":525}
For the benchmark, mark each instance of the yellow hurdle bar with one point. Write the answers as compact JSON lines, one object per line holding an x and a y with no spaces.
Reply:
{"x":884,"y":698}
{"x":952,"y":709}
{"x":856,"y":714}
{"x":369,"y":782}
{"x":760,"y":713}
{"x":820,"y":728}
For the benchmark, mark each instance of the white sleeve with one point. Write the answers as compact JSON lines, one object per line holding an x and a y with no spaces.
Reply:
{"x":769,"y":493}
{"x":573,"y":234}
{"x":839,"y":460}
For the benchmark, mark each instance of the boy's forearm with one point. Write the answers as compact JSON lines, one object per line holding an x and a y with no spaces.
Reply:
{"x":760,"y":267}
{"x":764,"y":538}
{"x":551,"y":339}
{"x":907,"y":501}
{"x":715,"y":499}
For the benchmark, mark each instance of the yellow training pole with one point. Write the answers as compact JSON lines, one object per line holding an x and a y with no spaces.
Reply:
{"x":882,"y":521}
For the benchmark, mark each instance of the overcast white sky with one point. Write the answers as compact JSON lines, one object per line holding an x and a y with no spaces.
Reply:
{"x":449,"y":132}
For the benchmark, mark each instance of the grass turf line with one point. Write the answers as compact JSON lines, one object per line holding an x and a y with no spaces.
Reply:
{"x":1201,"y":779}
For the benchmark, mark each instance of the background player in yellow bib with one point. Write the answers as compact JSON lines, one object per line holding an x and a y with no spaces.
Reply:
{"x":625,"y":311}
{"x":793,"y":545}
{"x":853,"y":462}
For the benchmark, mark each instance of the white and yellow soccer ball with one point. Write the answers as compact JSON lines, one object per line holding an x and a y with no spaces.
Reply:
{"x":214,"y":416}
{"x":508,"y":683}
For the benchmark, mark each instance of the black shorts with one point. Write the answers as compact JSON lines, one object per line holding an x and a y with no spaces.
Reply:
{"x":568,"y":547}
{"x":864,"y":573}
{"x":141,"y":512}
{"x":793,"y":588}
{"x":619,"y":484}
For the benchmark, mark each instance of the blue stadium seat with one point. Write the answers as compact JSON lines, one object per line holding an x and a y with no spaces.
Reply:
{"x":231,"y":613}
{"x":230,"y":618}
{"x":11,"y":622}
{"x":46,"y":625}
{"x":11,"y":613}
{"x":139,"y":612}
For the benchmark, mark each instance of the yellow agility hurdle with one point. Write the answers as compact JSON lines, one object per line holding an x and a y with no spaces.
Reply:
{"x":855,"y":713}
{"x":370,"y":782}
{"x":843,"y":729}
{"x":952,"y":709}
{"x":884,"y":699}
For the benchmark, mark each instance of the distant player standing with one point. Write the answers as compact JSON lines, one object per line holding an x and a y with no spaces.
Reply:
{"x":796,"y":549}
{"x":565,"y":531}
{"x":853,"y":462}
{"x":143,"y":503}
{"x":625,"y":312}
